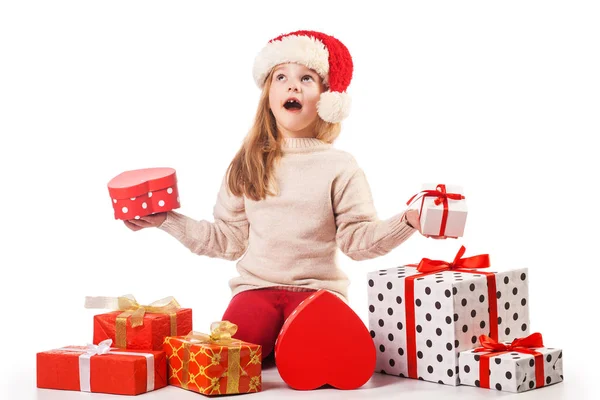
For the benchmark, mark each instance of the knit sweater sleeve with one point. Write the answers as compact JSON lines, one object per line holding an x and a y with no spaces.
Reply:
{"x":226,"y":237}
{"x":360,"y":234}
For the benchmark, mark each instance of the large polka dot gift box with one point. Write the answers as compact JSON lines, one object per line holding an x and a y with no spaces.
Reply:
{"x":512,"y":367}
{"x":442,"y":210}
{"x":421,"y":317}
{"x":142,"y":192}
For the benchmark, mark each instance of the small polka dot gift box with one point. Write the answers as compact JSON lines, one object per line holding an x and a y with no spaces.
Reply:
{"x":142,"y":192}
{"x":519,"y":366}
{"x":442,"y":210}
{"x":214,"y":364}
{"x":422,"y":316}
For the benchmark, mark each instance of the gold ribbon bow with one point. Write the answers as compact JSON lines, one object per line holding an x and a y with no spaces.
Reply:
{"x":221,"y":332}
{"x":136,"y":311}
{"x":131,"y":307}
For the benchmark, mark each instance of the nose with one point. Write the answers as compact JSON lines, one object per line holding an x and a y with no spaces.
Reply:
{"x":293,"y":87}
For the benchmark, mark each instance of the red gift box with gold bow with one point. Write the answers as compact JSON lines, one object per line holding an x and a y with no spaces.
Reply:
{"x":214,"y":364}
{"x":518,"y":366}
{"x":136,"y":326}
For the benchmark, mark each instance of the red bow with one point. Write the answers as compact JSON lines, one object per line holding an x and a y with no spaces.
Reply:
{"x":480,"y":261}
{"x":532,"y":341}
{"x":439,"y":193}
{"x":521,"y":345}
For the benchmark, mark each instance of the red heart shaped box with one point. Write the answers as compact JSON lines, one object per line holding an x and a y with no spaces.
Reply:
{"x":324,"y":342}
{"x":142,"y":192}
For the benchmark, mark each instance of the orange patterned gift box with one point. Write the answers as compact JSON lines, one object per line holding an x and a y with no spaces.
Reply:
{"x":137,"y":326}
{"x":214,"y":364}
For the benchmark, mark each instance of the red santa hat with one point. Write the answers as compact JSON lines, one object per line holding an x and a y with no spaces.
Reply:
{"x":320,"y":52}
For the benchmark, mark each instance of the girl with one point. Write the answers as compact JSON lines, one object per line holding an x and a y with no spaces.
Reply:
{"x":289,"y":199}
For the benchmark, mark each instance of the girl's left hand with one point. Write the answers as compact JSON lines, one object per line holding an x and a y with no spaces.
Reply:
{"x":435,"y":237}
{"x":412,"y":217}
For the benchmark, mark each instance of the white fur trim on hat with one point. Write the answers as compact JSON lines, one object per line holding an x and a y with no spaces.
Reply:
{"x":334,"y":106}
{"x":304,"y":50}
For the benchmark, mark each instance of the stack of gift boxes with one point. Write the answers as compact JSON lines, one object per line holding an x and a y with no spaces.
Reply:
{"x":139,"y":348}
{"x":455,"y":322}
{"x":451,"y":322}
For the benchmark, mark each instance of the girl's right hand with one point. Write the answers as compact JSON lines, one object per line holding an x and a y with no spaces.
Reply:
{"x":149,"y":221}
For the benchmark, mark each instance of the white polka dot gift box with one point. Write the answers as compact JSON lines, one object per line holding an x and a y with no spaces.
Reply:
{"x":421,"y":318}
{"x":142,"y":192}
{"x":442,"y":210}
{"x":519,"y":366}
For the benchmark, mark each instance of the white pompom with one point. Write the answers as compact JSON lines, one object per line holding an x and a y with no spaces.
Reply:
{"x":334,"y":106}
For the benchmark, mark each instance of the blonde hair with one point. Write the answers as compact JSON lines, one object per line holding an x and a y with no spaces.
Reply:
{"x":252,"y":170}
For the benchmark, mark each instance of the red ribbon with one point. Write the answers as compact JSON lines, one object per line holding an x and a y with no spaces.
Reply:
{"x":441,"y":196}
{"x":521,"y":345}
{"x":480,"y":261}
{"x":428,"y":267}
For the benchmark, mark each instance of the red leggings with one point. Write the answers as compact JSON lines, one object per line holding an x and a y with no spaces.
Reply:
{"x":260,"y":314}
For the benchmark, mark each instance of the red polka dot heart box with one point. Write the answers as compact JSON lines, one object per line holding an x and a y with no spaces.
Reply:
{"x":142,"y":192}
{"x":422,"y":316}
{"x":517,"y":366}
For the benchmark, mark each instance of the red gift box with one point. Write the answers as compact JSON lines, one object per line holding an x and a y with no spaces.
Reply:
{"x":100,"y":369}
{"x":214,"y":364}
{"x":142,"y":192}
{"x":137,"y":326}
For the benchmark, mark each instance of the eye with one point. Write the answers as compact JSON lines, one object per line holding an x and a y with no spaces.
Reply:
{"x":310,"y":78}
{"x":278,"y":77}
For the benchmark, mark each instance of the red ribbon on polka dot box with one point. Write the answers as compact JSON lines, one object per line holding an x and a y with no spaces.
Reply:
{"x":519,"y":366}
{"x":142,"y":192}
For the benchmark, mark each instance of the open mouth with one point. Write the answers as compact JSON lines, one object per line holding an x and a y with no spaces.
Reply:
{"x":292,"y":104}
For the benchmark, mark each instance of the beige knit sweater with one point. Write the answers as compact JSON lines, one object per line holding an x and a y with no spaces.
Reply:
{"x":291,"y":239}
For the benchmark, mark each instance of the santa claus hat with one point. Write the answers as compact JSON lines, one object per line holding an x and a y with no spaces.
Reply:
{"x":324,"y":54}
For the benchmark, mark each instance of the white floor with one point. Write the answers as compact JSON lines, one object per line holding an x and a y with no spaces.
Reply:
{"x":378,"y":387}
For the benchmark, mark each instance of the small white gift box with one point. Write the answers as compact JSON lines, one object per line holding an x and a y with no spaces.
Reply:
{"x":442,"y":210}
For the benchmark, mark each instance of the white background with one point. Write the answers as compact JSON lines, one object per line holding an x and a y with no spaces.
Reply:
{"x":500,"y":97}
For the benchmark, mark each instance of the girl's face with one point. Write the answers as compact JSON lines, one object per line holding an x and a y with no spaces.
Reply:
{"x":293,"y":97}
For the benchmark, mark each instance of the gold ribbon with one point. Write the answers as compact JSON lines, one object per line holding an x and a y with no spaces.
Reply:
{"x":136,"y":311}
{"x":185,"y":373}
{"x":221,"y":334}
